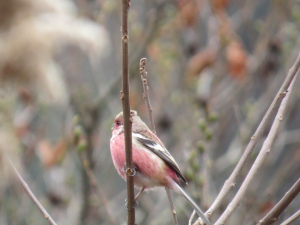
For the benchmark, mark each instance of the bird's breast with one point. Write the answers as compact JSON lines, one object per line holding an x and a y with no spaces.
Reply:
{"x":151,"y":170}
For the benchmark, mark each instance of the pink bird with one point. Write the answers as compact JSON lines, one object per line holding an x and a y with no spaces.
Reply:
{"x":153,"y":163}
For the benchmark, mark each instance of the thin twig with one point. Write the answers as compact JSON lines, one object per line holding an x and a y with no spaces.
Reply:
{"x":171,"y":202}
{"x":127,"y":117}
{"x":192,"y":217}
{"x":265,"y":150}
{"x":273,"y":215}
{"x":29,"y":192}
{"x":292,"y":218}
{"x":144,"y":73}
{"x":230,"y":182}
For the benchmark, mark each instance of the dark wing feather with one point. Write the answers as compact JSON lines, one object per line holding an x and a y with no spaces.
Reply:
{"x":163,"y":154}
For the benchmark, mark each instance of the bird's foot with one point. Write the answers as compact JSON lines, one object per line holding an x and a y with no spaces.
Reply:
{"x":133,"y":170}
{"x":134,"y":205}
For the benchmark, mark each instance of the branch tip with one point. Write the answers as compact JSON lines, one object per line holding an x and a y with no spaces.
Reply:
{"x":143,"y":61}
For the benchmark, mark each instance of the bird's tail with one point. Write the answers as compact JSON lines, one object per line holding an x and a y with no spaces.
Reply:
{"x":191,"y":201}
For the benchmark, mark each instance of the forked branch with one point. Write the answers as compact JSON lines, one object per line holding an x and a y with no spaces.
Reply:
{"x":265,"y":150}
{"x":230,"y":182}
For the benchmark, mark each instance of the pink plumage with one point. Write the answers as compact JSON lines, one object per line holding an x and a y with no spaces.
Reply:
{"x":152,"y":171}
{"x":153,"y":163}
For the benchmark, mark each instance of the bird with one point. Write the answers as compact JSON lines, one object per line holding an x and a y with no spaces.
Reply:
{"x":153,"y":164}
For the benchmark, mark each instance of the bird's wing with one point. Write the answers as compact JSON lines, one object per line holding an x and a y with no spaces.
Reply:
{"x":158,"y":149}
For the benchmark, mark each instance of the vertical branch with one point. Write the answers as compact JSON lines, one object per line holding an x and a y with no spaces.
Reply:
{"x":171,"y":203}
{"x":144,"y":74}
{"x":31,"y":195}
{"x":127,"y":117}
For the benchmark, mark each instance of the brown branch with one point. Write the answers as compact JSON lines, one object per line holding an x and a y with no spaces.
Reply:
{"x":171,"y":202}
{"x":31,"y":195}
{"x":127,"y":117}
{"x":230,"y":182}
{"x":273,"y":215}
{"x":144,"y":76}
{"x":265,"y":150}
{"x":292,"y":218}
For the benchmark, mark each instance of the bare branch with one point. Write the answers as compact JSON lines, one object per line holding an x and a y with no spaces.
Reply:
{"x":292,"y":218}
{"x":192,"y":217}
{"x":144,"y":74}
{"x":31,"y":195}
{"x":273,"y":215}
{"x":127,"y":117}
{"x":230,"y":182}
{"x":265,"y":150}
{"x":170,"y":198}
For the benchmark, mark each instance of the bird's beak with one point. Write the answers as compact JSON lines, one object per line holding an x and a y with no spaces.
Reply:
{"x":112,"y":126}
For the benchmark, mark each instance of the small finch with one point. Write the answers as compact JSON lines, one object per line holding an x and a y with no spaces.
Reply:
{"x":152,"y":162}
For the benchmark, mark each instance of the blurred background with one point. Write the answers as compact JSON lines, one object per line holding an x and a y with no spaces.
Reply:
{"x":213,"y":69}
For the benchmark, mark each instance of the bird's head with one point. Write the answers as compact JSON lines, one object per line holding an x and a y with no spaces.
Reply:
{"x":119,"y":122}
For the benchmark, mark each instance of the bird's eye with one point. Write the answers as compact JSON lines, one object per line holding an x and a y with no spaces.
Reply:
{"x":118,"y":123}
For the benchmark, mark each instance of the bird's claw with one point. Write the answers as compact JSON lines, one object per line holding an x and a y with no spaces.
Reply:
{"x":133,"y":173}
{"x":135,"y":204}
